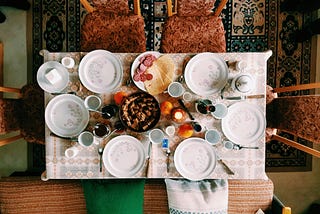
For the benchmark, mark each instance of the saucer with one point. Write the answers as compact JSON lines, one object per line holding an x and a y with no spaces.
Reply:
{"x":53,"y":77}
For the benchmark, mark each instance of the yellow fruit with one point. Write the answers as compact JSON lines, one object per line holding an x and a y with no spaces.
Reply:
{"x":185,"y":130}
{"x":118,"y":97}
{"x":166,"y":107}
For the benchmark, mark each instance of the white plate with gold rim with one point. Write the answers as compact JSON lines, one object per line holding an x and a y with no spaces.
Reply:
{"x":66,"y":115}
{"x":206,"y":73}
{"x":124,"y":156}
{"x":195,"y":159}
{"x":100,"y":71}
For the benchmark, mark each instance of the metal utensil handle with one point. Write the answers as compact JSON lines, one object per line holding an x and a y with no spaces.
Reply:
{"x":250,"y":147}
{"x":226,"y":167}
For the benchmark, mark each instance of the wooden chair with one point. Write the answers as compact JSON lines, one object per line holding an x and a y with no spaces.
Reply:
{"x":193,"y":27}
{"x":24,"y":114}
{"x":113,"y":27}
{"x":296,"y":115}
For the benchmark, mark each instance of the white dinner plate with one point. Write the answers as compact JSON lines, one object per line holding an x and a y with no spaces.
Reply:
{"x":45,"y":84}
{"x":66,"y":115}
{"x":195,"y":159}
{"x":135,"y":65}
{"x":206,"y":73}
{"x":100,"y":71}
{"x":244,"y":123}
{"x":124,"y":156}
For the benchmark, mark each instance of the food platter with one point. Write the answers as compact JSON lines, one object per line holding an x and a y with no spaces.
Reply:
{"x":136,"y":64}
{"x":66,"y":115}
{"x":124,"y":156}
{"x":100,"y":71}
{"x":61,"y":73}
{"x":153,"y":72}
{"x":244,"y":123}
{"x":206,"y":73}
{"x":139,"y":111}
{"x":195,"y":159}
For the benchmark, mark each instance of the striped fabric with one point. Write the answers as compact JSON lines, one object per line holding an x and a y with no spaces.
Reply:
{"x":26,"y":195}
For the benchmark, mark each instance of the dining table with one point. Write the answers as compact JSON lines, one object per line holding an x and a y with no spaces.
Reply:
{"x":157,"y":162}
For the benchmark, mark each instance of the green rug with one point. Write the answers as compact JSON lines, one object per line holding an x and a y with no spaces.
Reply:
{"x":251,"y":26}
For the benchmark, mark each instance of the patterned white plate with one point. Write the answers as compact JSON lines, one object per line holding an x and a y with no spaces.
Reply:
{"x":66,"y":115}
{"x":100,"y":71}
{"x":195,"y":159}
{"x":244,"y":123}
{"x":124,"y":156}
{"x":206,"y":73}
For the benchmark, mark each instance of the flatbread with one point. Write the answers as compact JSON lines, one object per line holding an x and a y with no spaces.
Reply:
{"x":162,"y":71}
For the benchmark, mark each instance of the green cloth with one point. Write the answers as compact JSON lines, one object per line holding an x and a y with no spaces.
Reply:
{"x":114,"y":196}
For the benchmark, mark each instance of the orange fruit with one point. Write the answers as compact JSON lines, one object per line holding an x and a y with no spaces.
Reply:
{"x":166,"y":107}
{"x":118,"y":97}
{"x":185,"y":130}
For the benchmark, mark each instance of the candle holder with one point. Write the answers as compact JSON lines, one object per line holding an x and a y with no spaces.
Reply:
{"x":178,"y":115}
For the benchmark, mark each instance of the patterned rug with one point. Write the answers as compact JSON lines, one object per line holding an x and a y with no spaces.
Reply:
{"x":251,"y":26}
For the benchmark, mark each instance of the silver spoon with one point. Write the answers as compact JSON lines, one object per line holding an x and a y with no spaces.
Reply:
{"x":103,"y":113}
{"x":100,"y":152}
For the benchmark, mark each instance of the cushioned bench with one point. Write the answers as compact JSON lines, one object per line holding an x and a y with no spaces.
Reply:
{"x":31,"y":195}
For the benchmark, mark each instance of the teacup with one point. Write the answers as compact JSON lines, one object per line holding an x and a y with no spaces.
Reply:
{"x":92,"y":102}
{"x":67,"y":62}
{"x":156,"y":136}
{"x":175,"y":89}
{"x":86,"y":139}
{"x":221,"y":110}
{"x":212,"y":136}
{"x":101,"y":130}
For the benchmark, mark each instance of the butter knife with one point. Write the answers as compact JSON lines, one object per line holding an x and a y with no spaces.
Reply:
{"x":148,"y":158}
{"x":225,"y":166}
{"x":258,"y":96}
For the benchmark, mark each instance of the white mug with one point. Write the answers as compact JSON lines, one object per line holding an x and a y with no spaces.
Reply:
{"x":67,"y":62}
{"x":175,"y":89}
{"x":86,"y":139}
{"x":92,"y":102}
{"x":221,"y":110}
{"x":212,"y":136}
{"x":156,"y":136}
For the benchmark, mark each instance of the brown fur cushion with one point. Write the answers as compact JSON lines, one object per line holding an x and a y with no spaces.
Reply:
{"x":195,"y":7}
{"x":113,"y":32}
{"x":114,"y":6}
{"x":193,"y":34}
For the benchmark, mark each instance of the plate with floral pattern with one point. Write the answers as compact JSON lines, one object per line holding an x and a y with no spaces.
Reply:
{"x":100,"y":71}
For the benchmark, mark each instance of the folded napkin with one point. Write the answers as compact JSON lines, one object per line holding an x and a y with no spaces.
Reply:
{"x":206,"y":196}
{"x":114,"y":196}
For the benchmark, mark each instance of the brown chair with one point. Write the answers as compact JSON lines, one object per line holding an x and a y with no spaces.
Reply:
{"x":296,"y":115}
{"x":24,"y":114}
{"x":112,"y":26}
{"x":193,"y":27}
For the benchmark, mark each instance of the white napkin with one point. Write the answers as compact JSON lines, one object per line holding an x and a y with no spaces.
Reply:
{"x":206,"y":196}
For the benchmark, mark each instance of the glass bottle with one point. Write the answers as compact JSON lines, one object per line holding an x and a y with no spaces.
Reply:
{"x":204,"y":106}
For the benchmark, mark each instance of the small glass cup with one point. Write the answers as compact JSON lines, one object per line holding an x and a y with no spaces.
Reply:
{"x":101,"y":130}
{"x":109,"y":111}
{"x":221,"y":110}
